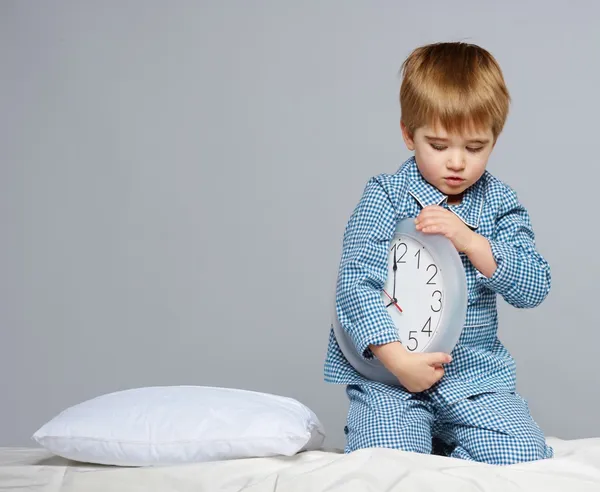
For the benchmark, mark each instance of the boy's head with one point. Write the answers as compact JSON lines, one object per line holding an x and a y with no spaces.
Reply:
{"x":454,"y":104}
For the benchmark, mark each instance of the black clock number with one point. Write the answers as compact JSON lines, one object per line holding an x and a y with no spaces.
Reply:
{"x":429,"y":282}
{"x":410,"y":337}
{"x":428,"y":326}
{"x":439,"y":301}
{"x":418,"y":255}
{"x":396,"y":247}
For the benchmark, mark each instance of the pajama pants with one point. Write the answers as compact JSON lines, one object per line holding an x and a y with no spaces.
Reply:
{"x":494,"y":428}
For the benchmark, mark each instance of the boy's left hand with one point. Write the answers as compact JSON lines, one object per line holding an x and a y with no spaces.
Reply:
{"x":434,"y":219}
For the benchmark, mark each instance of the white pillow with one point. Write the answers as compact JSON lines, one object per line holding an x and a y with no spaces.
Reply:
{"x":181,"y":424}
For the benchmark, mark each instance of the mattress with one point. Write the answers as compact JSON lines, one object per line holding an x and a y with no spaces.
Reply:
{"x":575,"y":468}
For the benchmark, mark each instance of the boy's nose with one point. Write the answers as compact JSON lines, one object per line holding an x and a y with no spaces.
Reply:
{"x":455,"y":164}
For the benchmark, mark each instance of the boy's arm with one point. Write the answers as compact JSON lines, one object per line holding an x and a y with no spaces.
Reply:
{"x":363,"y":271}
{"x":509,"y":263}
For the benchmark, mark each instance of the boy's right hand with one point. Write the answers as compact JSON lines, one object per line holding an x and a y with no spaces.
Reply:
{"x":416,"y":371}
{"x":420,"y":371}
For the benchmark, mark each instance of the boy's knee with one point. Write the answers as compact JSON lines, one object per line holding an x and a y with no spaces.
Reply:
{"x":522,"y":449}
{"x":499,"y":430}
{"x":527,"y":445}
{"x":508,"y":450}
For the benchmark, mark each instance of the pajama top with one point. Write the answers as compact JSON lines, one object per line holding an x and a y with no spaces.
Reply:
{"x":489,"y":207}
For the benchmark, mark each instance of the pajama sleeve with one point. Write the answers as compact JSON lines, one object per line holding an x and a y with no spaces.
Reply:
{"x":522,"y":276}
{"x":363,"y":270}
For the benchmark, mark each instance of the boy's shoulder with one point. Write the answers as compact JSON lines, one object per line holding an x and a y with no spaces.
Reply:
{"x":497,"y":192}
{"x":399,"y":180}
{"x":396,"y":185}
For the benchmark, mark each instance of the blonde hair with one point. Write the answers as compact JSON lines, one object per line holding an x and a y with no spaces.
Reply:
{"x":456,"y":85}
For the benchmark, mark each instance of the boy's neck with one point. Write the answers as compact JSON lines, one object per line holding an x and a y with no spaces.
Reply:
{"x":454,"y":199}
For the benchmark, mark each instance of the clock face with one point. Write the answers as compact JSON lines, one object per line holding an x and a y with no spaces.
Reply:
{"x":416,"y":284}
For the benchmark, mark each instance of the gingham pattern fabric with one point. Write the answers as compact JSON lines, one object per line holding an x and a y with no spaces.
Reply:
{"x":480,"y":361}
{"x":494,"y":428}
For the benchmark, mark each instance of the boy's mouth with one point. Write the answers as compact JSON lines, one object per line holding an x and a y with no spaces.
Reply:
{"x":454,"y":180}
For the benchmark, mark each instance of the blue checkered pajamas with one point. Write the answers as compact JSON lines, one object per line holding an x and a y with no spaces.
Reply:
{"x":494,"y":427}
{"x":474,"y":411}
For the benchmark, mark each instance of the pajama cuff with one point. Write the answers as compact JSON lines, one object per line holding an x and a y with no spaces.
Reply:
{"x":503,"y":277}
{"x":379,"y":338}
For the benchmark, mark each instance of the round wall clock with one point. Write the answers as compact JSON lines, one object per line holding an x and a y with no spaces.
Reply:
{"x":425,"y":294}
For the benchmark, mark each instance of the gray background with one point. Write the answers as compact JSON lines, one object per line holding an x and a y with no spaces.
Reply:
{"x":176,"y":178}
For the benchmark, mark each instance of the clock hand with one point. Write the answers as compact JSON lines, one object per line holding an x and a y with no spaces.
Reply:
{"x":393,"y":301}
{"x":395,"y":267}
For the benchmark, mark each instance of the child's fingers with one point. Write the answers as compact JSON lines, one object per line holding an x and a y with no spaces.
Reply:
{"x":438,"y":373}
{"x":432,"y":218}
{"x":427,"y":222}
{"x":434,"y":211}
{"x":435,"y":228}
{"x":438,"y":358}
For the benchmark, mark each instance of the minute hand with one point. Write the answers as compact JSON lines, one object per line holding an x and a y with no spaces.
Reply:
{"x":395,"y":267}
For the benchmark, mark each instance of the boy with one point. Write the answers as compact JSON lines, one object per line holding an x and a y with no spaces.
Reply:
{"x":454,"y":104}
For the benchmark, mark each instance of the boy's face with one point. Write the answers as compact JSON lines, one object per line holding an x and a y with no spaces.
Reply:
{"x":450,"y":162}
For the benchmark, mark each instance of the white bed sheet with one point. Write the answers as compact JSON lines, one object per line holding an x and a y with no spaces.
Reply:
{"x":575,"y":468}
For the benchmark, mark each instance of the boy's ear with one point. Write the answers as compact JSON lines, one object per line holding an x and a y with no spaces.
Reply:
{"x":407,"y":136}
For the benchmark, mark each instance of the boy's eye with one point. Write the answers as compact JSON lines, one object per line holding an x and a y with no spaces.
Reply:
{"x":438,"y":147}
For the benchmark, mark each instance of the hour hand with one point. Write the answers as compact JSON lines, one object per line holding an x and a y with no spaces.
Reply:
{"x":393,"y":301}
